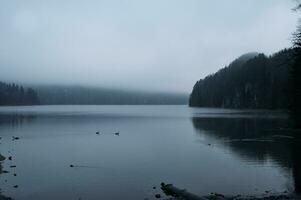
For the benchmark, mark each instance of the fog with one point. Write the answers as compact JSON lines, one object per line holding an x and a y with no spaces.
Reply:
{"x":132,"y":44}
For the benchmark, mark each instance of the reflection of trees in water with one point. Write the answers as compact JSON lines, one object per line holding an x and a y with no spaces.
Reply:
{"x":256,"y":139}
{"x":14,"y":120}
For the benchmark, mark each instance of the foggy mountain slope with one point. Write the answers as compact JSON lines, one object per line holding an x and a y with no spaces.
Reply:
{"x":251,"y":81}
{"x":64,"y":95}
{"x":121,"y":44}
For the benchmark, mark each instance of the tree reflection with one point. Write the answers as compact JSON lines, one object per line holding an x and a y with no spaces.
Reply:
{"x":256,"y":139}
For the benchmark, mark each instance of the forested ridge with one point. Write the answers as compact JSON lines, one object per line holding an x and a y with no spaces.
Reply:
{"x":13,"y":94}
{"x":252,"y":81}
{"x":295,"y":78}
{"x":79,"y":95}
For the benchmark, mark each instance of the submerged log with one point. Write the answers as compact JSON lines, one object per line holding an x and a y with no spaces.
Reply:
{"x":171,"y":190}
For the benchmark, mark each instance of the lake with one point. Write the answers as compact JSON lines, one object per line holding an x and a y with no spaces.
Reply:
{"x":203,"y":150}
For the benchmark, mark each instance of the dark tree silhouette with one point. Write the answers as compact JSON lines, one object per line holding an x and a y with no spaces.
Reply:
{"x":295,"y":77}
{"x":296,"y":103}
{"x":76,"y":95}
{"x":251,"y":81}
{"x":12,"y":94}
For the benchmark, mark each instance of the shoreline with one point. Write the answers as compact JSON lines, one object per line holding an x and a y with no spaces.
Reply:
{"x":2,"y":197}
{"x":182,"y":194}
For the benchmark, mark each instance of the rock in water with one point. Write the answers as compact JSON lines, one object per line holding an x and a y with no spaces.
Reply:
{"x":15,"y":138}
{"x":2,"y":158}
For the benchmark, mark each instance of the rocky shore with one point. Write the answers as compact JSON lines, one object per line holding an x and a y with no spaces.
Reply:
{"x":2,"y":158}
{"x":175,"y":193}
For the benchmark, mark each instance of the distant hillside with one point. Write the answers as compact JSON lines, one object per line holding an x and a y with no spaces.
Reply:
{"x":12,"y":94}
{"x":63,"y":95}
{"x":251,"y":81}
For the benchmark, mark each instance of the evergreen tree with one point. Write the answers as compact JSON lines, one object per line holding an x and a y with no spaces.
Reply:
{"x":295,"y":77}
{"x":251,"y":81}
{"x":12,"y":94}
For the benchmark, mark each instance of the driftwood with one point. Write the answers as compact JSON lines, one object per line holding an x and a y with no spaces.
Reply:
{"x":170,"y":190}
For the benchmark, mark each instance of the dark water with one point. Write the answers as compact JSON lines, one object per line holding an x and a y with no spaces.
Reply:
{"x":202,"y":150}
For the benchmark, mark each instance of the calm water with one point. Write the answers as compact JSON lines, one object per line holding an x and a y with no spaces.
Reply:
{"x":202,"y":150}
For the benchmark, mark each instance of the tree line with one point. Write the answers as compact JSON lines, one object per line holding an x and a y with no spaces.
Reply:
{"x":253,"y":81}
{"x":260,"y":82}
{"x":13,"y":94}
{"x":295,"y":106}
{"x":78,"y":95}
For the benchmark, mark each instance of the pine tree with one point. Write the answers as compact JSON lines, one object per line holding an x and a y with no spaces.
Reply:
{"x":296,"y":76}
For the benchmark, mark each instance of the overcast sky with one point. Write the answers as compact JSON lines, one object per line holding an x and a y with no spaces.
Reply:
{"x":137,"y":44}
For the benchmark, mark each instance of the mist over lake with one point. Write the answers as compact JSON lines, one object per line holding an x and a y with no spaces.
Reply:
{"x":205,"y":150}
{"x":167,"y":100}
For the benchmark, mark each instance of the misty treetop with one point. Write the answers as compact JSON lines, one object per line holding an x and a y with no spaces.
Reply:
{"x":77,"y":95}
{"x":12,"y":94}
{"x":251,"y":81}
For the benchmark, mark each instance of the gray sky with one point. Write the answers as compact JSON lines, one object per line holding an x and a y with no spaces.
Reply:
{"x":137,"y":44}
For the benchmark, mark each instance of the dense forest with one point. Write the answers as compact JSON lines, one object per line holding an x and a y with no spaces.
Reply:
{"x":12,"y":94}
{"x":77,"y":95}
{"x":295,"y":80}
{"x":251,"y":81}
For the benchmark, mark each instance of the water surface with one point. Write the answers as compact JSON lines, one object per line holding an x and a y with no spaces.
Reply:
{"x":202,"y":150}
